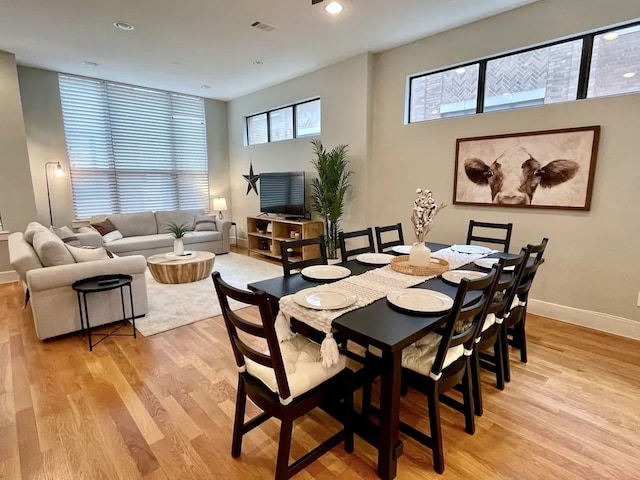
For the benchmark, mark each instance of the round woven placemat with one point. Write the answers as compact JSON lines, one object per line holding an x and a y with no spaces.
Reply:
{"x":401,"y":264}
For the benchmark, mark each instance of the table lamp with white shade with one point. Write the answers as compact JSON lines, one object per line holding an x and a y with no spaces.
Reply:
{"x":220,"y":204}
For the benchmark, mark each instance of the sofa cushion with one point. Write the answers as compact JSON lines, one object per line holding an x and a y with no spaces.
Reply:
{"x":205,"y":223}
{"x":22,"y":256}
{"x":67,"y":236}
{"x":108,"y":230}
{"x":31,"y":229}
{"x":131,"y":224}
{"x":141,"y":242}
{"x":200,"y":237}
{"x":87,"y":254}
{"x":51,"y":250}
{"x":179,"y":217}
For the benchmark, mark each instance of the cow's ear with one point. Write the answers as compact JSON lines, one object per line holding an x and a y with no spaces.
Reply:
{"x":557,"y":172}
{"x":477,"y":171}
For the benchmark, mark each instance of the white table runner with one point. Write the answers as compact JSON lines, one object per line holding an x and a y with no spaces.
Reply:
{"x":369,"y":287}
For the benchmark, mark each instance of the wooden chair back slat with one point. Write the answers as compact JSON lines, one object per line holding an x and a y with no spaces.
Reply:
{"x":466,"y":316}
{"x":348,"y":254}
{"x":507,"y":284}
{"x":503,"y":240}
{"x":384,"y":246}
{"x":533,"y":260}
{"x":287,"y":248}
{"x":265,"y":330}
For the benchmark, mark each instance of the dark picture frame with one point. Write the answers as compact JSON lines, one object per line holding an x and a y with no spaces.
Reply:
{"x":552,"y":169}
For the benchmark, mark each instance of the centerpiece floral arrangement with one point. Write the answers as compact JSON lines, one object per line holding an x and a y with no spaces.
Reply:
{"x":425,"y":208}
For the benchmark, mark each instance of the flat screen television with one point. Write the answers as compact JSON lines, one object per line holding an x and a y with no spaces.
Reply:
{"x":282,"y":193}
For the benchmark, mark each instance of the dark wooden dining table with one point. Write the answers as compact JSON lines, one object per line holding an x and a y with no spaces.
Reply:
{"x":391,"y":331}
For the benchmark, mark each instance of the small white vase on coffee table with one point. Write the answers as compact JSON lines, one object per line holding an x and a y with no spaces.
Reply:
{"x":178,"y":246}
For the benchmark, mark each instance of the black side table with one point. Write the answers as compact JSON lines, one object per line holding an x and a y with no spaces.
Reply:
{"x":104,"y":283}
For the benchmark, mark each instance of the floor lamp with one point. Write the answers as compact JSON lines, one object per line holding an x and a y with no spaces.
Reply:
{"x":59,"y":173}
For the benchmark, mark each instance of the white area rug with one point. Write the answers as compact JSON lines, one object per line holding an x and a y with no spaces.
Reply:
{"x":172,"y":306}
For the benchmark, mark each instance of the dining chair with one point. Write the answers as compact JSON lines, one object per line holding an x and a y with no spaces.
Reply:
{"x":286,"y":380}
{"x":384,"y":246}
{"x":517,"y":315}
{"x":439,"y":362}
{"x":491,"y":335}
{"x":358,"y":235}
{"x":295,"y":248}
{"x":504,"y":239}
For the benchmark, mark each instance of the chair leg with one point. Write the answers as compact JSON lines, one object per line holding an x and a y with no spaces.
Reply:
{"x":505,"y":353}
{"x":436,"y":431}
{"x":523,"y":339}
{"x":284,"y":447}
{"x":498,"y":355}
{"x":467,"y":395}
{"x":238,"y":424}
{"x":475,"y":379}
{"x":348,"y":415}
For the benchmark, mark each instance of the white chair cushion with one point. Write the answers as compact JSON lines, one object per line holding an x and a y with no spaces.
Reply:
{"x":420,"y":355}
{"x":488,"y":321}
{"x":302,"y":363}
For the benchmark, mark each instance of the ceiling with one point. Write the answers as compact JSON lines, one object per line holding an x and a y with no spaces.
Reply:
{"x":180,"y":46}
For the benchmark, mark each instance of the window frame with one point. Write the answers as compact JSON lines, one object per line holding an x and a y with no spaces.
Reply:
{"x":583,"y":75}
{"x":294,"y":107}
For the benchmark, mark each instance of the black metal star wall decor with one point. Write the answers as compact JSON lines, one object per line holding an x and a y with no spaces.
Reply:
{"x":252,"y":180}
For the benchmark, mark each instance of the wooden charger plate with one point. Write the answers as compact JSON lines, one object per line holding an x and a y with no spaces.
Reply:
{"x":437,"y":267}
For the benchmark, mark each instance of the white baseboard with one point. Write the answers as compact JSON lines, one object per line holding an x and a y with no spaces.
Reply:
{"x":586,"y":318}
{"x":9,"y":277}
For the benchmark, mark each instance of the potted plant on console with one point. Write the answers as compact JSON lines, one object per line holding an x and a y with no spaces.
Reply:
{"x":328,"y":190}
{"x":177,"y":232}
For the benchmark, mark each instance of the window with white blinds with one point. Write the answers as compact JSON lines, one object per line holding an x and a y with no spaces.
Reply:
{"x":133,"y":149}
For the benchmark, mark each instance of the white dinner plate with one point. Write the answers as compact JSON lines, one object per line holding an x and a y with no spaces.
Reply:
{"x":419,"y":300}
{"x":375,"y":258}
{"x":488,"y":263}
{"x":325,"y":298}
{"x":471,"y":249}
{"x":325,"y":272}
{"x":402,"y":249}
{"x":456,"y":276}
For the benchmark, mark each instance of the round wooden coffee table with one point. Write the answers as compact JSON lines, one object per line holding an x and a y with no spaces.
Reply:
{"x":167,"y":268}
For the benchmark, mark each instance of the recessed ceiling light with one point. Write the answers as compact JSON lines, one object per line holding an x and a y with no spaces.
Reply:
{"x":205,"y":87}
{"x":127,"y":27}
{"x":90,"y":64}
{"x":258,"y":63}
{"x":334,"y":8}
{"x":610,"y":36}
{"x":629,"y":74}
{"x":506,"y":94}
{"x":460,"y":70}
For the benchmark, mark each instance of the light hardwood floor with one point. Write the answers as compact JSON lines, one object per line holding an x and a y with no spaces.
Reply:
{"x":162,"y":407}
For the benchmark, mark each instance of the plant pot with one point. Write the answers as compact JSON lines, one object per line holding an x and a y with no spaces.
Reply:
{"x":178,"y":247}
{"x":333,"y":261}
{"x":420,"y":255}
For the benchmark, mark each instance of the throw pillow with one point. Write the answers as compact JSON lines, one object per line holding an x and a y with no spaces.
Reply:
{"x":31,"y":229}
{"x":205,"y":223}
{"x":88,"y":254}
{"x":108,"y":230}
{"x":51,"y":250}
{"x":67,"y":236}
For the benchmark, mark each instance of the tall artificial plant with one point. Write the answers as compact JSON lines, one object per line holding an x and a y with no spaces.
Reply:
{"x":328,"y":190}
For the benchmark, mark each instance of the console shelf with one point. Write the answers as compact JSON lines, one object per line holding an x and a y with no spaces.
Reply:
{"x":265,"y":233}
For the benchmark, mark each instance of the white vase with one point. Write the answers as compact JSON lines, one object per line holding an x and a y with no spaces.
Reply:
{"x":178,"y":247}
{"x":420,"y":255}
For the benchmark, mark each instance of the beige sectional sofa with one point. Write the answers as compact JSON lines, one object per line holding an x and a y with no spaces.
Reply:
{"x":47,"y":270}
{"x":145,"y":233}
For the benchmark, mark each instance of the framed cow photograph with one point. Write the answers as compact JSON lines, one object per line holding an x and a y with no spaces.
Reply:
{"x":545,"y":169}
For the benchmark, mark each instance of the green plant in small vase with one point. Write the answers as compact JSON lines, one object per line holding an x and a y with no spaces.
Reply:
{"x":329,"y":189}
{"x":177,"y":232}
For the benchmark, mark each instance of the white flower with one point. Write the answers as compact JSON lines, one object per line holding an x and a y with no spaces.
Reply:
{"x":425,"y":209}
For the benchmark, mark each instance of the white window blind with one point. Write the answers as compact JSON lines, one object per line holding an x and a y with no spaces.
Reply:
{"x":132,"y":148}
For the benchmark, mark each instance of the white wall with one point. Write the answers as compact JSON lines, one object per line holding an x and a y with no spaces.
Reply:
{"x":591,"y":262}
{"x":17,"y":205}
{"x":46,"y":141}
{"x":345,"y":93}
